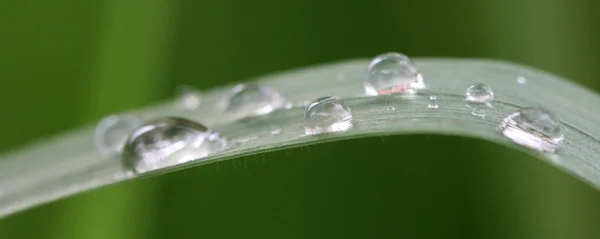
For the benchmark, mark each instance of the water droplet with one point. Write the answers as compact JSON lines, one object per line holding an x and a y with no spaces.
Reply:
{"x":167,"y":142}
{"x":188,"y":97}
{"x":391,"y":108}
{"x":521,"y":80}
{"x":276,"y":131}
{"x":288,"y":105}
{"x":433,"y":104}
{"x":392,"y":73}
{"x":253,"y":99}
{"x":479,"y":112}
{"x":479,"y":93}
{"x":112,"y":132}
{"x":534,"y":128}
{"x":326,"y":115}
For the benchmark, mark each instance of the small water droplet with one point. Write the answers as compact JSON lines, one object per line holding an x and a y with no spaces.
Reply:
{"x":252,"y":99}
{"x":167,"y":142}
{"x":433,"y":104}
{"x":391,"y":108}
{"x":188,"y":97}
{"x":534,"y":128}
{"x":326,"y":115}
{"x":521,"y":80}
{"x":112,"y":132}
{"x":479,"y":93}
{"x":288,"y":105}
{"x":276,"y":131}
{"x":479,"y":112}
{"x":392,"y":73}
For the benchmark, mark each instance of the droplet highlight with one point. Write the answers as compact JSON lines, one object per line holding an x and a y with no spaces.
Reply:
{"x":479,"y":93}
{"x":327,"y":115}
{"x":112,"y":132}
{"x":392,"y":73}
{"x":169,"y":141}
{"x":534,"y":128}
{"x":276,"y":131}
{"x":521,"y":80}
{"x":252,"y":99}
{"x":433,"y":102}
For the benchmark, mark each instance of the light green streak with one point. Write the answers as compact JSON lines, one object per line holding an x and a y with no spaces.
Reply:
{"x":128,"y":72}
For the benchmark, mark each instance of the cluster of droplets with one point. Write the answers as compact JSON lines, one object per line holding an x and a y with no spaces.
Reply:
{"x":531,"y":127}
{"x":155,"y":144}
{"x":171,"y":141}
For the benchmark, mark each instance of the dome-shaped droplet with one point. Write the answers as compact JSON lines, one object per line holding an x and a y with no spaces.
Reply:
{"x":479,"y":93}
{"x":253,"y":99}
{"x":188,"y":97}
{"x":112,"y":132}
{"x":392,"y":73}
{"x":534,"y":128}
{"x":326,"y":115}
{"x":167,"y":142}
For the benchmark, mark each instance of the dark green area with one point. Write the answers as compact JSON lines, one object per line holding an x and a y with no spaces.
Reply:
{"x":64,"y":63}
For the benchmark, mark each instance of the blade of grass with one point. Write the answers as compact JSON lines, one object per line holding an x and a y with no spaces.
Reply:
{"x":74,"y":165}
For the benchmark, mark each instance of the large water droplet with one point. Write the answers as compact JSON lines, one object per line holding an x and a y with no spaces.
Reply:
{"x":253,"y":99}
{"x":167,"y":142}
{"x":188,"y":97}
{"x":326,"y":115}
{"x":479,"y":93}
{"x":534,"y":128}
{"x":392,"y":73}
{"x":112,"y":132}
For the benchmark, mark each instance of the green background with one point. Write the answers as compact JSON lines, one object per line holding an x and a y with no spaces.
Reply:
{"x":64,"y":63}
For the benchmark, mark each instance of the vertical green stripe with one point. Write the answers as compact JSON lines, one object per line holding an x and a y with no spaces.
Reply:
{"x":129,"y":70}
{"x":552,"y":35}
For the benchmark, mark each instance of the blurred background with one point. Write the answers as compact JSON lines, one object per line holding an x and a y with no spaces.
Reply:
{"x":65,"y":63}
